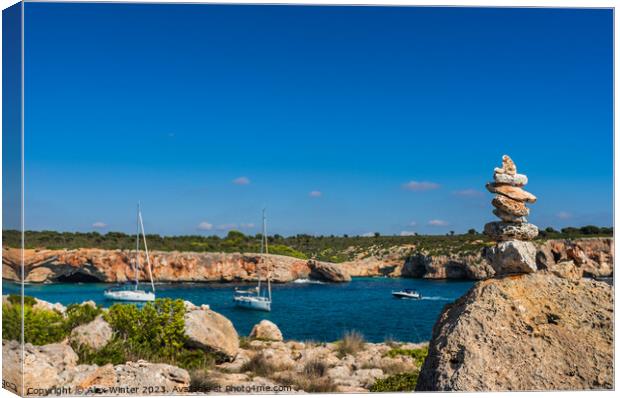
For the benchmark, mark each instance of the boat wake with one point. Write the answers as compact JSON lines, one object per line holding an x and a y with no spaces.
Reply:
{"x":304,"y":280}
{"x":436,"y":298}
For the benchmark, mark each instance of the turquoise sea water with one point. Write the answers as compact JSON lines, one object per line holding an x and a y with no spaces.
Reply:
{"x":303,"y":311}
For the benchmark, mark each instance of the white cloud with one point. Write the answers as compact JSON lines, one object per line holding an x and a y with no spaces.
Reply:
{"x":226,"y":227}
{"x":315,"y":194}
{"x":564,"y":215}
{"x":407,"y":233}
{"x":247,"y":225}
{"x":413,"y":224}
{"x":368,"y":234}
{"x":99,"y":224}
{"x":420,"y":185}
{"x":205,"y":226}
{"x":438,"y":223}
{"x":469,"y":193}
{"x":241,"y":181}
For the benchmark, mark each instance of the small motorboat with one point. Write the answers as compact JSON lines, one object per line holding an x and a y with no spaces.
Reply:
{"x":407,"y":294}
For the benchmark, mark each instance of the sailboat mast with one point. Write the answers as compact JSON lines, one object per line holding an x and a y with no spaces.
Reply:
{"x":137,"y":260}
{"x":267,"y":252}
{"x":146,"y":249}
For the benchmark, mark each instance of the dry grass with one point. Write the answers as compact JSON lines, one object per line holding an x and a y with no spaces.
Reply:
{"x":200,"y":381}
{"x":315,"y":369}
{"x":259,"y":365}
{"x":321,"y":384}
{"x":351,"y":343}
{"x":395,"y":367}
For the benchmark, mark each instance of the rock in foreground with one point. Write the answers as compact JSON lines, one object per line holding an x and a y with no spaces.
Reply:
{"x":527,"y":332}
{"x":94,"y":335}
{"x":208,"y":330}
{"x":266,"y":330}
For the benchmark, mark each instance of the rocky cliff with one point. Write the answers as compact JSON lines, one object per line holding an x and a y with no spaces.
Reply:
{"x":594,"y":256}
{"x":525,"y":332}
{"x":97,"y":265}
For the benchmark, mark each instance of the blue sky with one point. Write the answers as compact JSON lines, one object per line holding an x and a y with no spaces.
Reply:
{"x":338,"y":120}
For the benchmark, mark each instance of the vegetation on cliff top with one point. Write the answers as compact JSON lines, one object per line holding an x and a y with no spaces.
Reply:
{"x":325,"y":248}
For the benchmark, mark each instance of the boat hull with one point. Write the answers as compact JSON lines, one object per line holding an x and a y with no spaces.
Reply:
{"x":252,"y":303}
{"x":406,"y":296}
{"x":129,"y":295}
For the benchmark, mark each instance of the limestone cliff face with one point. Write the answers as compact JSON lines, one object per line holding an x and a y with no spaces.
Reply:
{"x":593,"y":257}
{"x":525,"y":332}
{"x":115,"y":266}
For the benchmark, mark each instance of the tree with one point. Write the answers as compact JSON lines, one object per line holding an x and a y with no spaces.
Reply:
{"x":570,"y":231}
{"x":472,"y":231}
{"x":590,"y":230}
{"x":234,"y":235}
{"x":377,"y":234}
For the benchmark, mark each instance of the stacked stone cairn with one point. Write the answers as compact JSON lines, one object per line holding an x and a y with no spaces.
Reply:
{"x":513,"y":253}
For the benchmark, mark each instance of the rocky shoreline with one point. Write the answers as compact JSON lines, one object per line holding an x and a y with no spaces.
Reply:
{"x":263,"y":361}
{"x":594,"y":255}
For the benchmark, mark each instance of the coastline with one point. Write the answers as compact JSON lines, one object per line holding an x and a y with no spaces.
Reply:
{"x":92,"y":358}
{"x":593,"y":255}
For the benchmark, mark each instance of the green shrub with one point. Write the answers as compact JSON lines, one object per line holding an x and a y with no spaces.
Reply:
{"x":287,"y":251}
{"x":157,"y":327}
{"x":79,"y":314}
{"x":16,"y":299}
{"x":40,"y":326}
{"x":114,"y":352}
{"x":11,"y":322}
{"x":155,"y":332}
{"x":418,"y":354}
{"x":396,"y":383}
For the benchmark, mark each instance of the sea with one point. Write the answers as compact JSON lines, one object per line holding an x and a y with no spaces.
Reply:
{"x":303,"y":309}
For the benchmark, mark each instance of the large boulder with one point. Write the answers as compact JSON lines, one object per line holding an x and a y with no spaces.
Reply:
{"x":266,"y":330}
{"x":130,"y":378}
{"x":94,"y":335}
{"x":512,"y":257}
{"x":525,"y":332}
{"x":43,"y":365}
{"x":208,"y":330}
{"x":54,"y":366}
{"x":141,"y":373}
{"x":328,"y":272}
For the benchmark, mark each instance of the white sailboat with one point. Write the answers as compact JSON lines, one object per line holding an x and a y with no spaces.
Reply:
{"x":256,"y":299}
{"x":131,"y":291}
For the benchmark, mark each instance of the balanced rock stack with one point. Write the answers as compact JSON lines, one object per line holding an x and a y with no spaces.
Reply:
{"x":513,"y":253}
